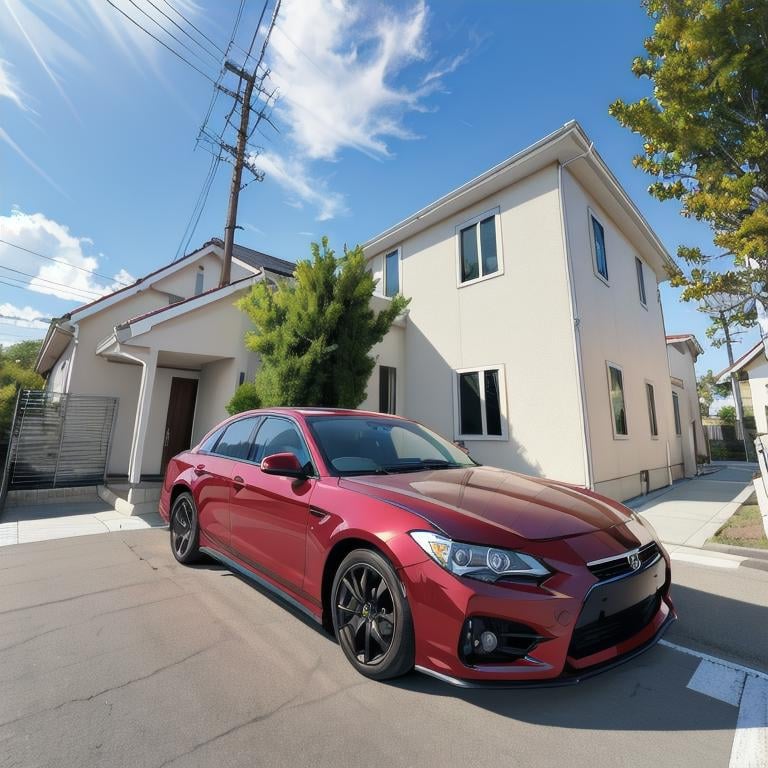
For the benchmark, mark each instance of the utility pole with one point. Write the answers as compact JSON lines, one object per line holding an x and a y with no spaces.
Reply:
{"x":237,"y":171}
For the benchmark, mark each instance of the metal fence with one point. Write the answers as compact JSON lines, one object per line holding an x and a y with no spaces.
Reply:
{"x":58,"y":440}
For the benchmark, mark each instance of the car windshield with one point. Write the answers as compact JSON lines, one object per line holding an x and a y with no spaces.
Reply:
{"x":368,"y":445}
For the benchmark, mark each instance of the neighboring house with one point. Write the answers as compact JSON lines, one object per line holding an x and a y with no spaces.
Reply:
{"x":682,"y":350}
{"x":170,"y":347}
{"x":535,"y":333}
{"x":752,"y":371}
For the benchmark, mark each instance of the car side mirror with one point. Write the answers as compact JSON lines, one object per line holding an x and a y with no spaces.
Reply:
{"x":285,"y":464}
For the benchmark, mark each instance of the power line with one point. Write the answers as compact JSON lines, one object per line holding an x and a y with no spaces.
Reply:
{"x":61,"y":261}
{"x":77,"y":293}
{"x":184,"y":31}
{"x":45,"y":280}
{"x":165,"y":45}
{"x":199,"y":31}
{"x":167,"y":32}
{"x":197,"y":211}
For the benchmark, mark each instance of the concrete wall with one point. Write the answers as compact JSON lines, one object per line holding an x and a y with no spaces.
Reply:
{"x":615,"y":326}
{"x":518,"y":320}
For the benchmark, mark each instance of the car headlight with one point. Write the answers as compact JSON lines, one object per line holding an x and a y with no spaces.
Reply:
{"x":478,"y":562}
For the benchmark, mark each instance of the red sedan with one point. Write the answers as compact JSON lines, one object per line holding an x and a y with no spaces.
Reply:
{"x":416,"y":556}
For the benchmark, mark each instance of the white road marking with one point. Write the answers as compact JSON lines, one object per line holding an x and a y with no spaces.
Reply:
{"x":714,"y":562}
{"x":750,"y":742}
{"x":719,"y":678}
{"x":718,"y":681}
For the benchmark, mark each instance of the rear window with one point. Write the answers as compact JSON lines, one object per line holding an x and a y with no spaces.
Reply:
{"x":236,"y":441}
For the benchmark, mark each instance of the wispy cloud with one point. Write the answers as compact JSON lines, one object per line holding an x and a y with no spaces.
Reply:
{"x":65,"y":278}
{"x":9,"y":88}
{"x":293,"y":175}
{"x":339,"y":67}
{"x":22,"y":317}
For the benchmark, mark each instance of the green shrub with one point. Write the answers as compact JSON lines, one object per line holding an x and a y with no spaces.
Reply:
{"x":245,"y":398}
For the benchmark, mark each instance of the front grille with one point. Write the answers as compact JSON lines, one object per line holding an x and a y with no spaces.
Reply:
{"x":615,"y":629}
{"x":619,"y":566}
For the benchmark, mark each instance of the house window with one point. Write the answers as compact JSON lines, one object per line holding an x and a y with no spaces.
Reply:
{"x":480,"y":397}
{"x":640,"y":281}
{"x":598,"y":238}
{"x":651,"y":409}
{"x":676,"y":408}
{"x":392,"y":273}
{"x":478,"y":253}
{"x":387,"y":389}
{"x":199,"y":281}
{"x":618,"y":408}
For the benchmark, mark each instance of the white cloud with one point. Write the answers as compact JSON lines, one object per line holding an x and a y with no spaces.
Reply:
{"x":64,"y":278}
{"x":292,"y":175}
{"x":336,"y":64}
{"x":9,"y":88}
{"x":23,"y":317}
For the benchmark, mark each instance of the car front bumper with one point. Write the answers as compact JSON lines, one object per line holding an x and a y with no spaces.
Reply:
{"x":580,"y":625}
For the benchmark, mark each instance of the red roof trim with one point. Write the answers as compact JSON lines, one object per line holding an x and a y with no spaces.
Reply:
{"x":740,"y":361}
{"x":160,"y":310}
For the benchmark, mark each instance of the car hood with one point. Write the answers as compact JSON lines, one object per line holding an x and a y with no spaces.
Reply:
{"x":465,"y":502}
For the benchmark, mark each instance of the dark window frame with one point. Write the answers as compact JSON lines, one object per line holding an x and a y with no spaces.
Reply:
{"x":641,"y":281}
{"x":676,"y":412}
{"x":388,"y":377}
{"x":475,"y":226}
{"x":486,"y":413}
{"x":388,"y":292}
{"x":596,"y":226}
{"x":653,"y":419}
{"x":615,"y":417}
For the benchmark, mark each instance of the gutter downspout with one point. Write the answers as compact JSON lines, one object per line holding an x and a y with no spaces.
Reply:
{"x":76,"y":338}
{"x":582,"y":395}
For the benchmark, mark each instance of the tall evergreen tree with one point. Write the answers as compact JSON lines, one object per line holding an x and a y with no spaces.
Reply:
{"x":314,"y":334}
{"x":706,"y":139}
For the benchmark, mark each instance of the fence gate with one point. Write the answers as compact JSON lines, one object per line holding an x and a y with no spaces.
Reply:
{"x":58,"y":440}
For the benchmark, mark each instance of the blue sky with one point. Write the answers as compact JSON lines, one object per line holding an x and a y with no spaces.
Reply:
{"x":383,"y":107}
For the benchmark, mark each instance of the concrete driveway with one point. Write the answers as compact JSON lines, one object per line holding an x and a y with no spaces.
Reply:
{"x":111,"y":654}
{"x":691,"y":511}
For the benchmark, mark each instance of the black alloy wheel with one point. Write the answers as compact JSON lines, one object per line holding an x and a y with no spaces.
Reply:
{"x":371,"y":616}
{"x":185,"y":533}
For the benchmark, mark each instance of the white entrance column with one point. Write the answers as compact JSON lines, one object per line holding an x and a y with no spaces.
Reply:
{"x":149,"y":367}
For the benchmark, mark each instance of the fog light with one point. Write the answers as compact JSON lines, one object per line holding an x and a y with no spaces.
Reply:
{"x":489,"y":641}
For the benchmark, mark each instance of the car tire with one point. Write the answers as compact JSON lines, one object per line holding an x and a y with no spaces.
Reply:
{"x":371,"y":616}
{"x":184,"y":528}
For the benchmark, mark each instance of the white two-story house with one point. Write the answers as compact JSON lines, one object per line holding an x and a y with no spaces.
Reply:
{"x":535,"y":332}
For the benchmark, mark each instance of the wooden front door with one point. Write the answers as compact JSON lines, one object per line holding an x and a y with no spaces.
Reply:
{"x":181,"y":411}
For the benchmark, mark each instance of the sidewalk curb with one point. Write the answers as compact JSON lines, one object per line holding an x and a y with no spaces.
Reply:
{"x":748,"y":552}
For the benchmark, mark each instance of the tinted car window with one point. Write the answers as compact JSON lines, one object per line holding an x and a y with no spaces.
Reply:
{"x":236,"y":440}
{"x":280,"y":436}
{"x":356,"y":445}
{"x":207,"y":445}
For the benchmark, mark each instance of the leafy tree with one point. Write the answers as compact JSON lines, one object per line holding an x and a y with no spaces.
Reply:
{"x":245,"y":398}
{"x":314,"y":333}
{"x":706,"y":140}
{"x":708,"y":389}
{"x":13,"y":377}
{"x":727,"y":414}
{"x":23,"y":352}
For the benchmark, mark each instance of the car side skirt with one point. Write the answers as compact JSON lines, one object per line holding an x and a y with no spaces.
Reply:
{"x":262,"y":581}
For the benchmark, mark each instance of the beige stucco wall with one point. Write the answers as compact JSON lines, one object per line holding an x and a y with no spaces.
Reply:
{"x":758,"y":385}
{"x":519,"y":320}
{"x":217,"y":383}
{"x":614,"y":326}
{"x":59,"y":374}
{"x":222,"y":330}
{"x":390,"y":352}
{"x":692,"y":440}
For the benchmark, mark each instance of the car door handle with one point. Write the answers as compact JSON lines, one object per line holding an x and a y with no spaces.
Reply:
{"x":238,"y":483}
{"x":200,"y":470}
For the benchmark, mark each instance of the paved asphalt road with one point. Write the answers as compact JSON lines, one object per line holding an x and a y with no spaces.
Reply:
{"x":113,"y":655}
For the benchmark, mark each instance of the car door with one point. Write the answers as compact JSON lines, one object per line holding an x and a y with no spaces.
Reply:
{"x":214,"y":469}
{"x":270,"y":513}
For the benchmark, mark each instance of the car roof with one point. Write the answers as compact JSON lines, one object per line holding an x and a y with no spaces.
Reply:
{"x":319,"y":411}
